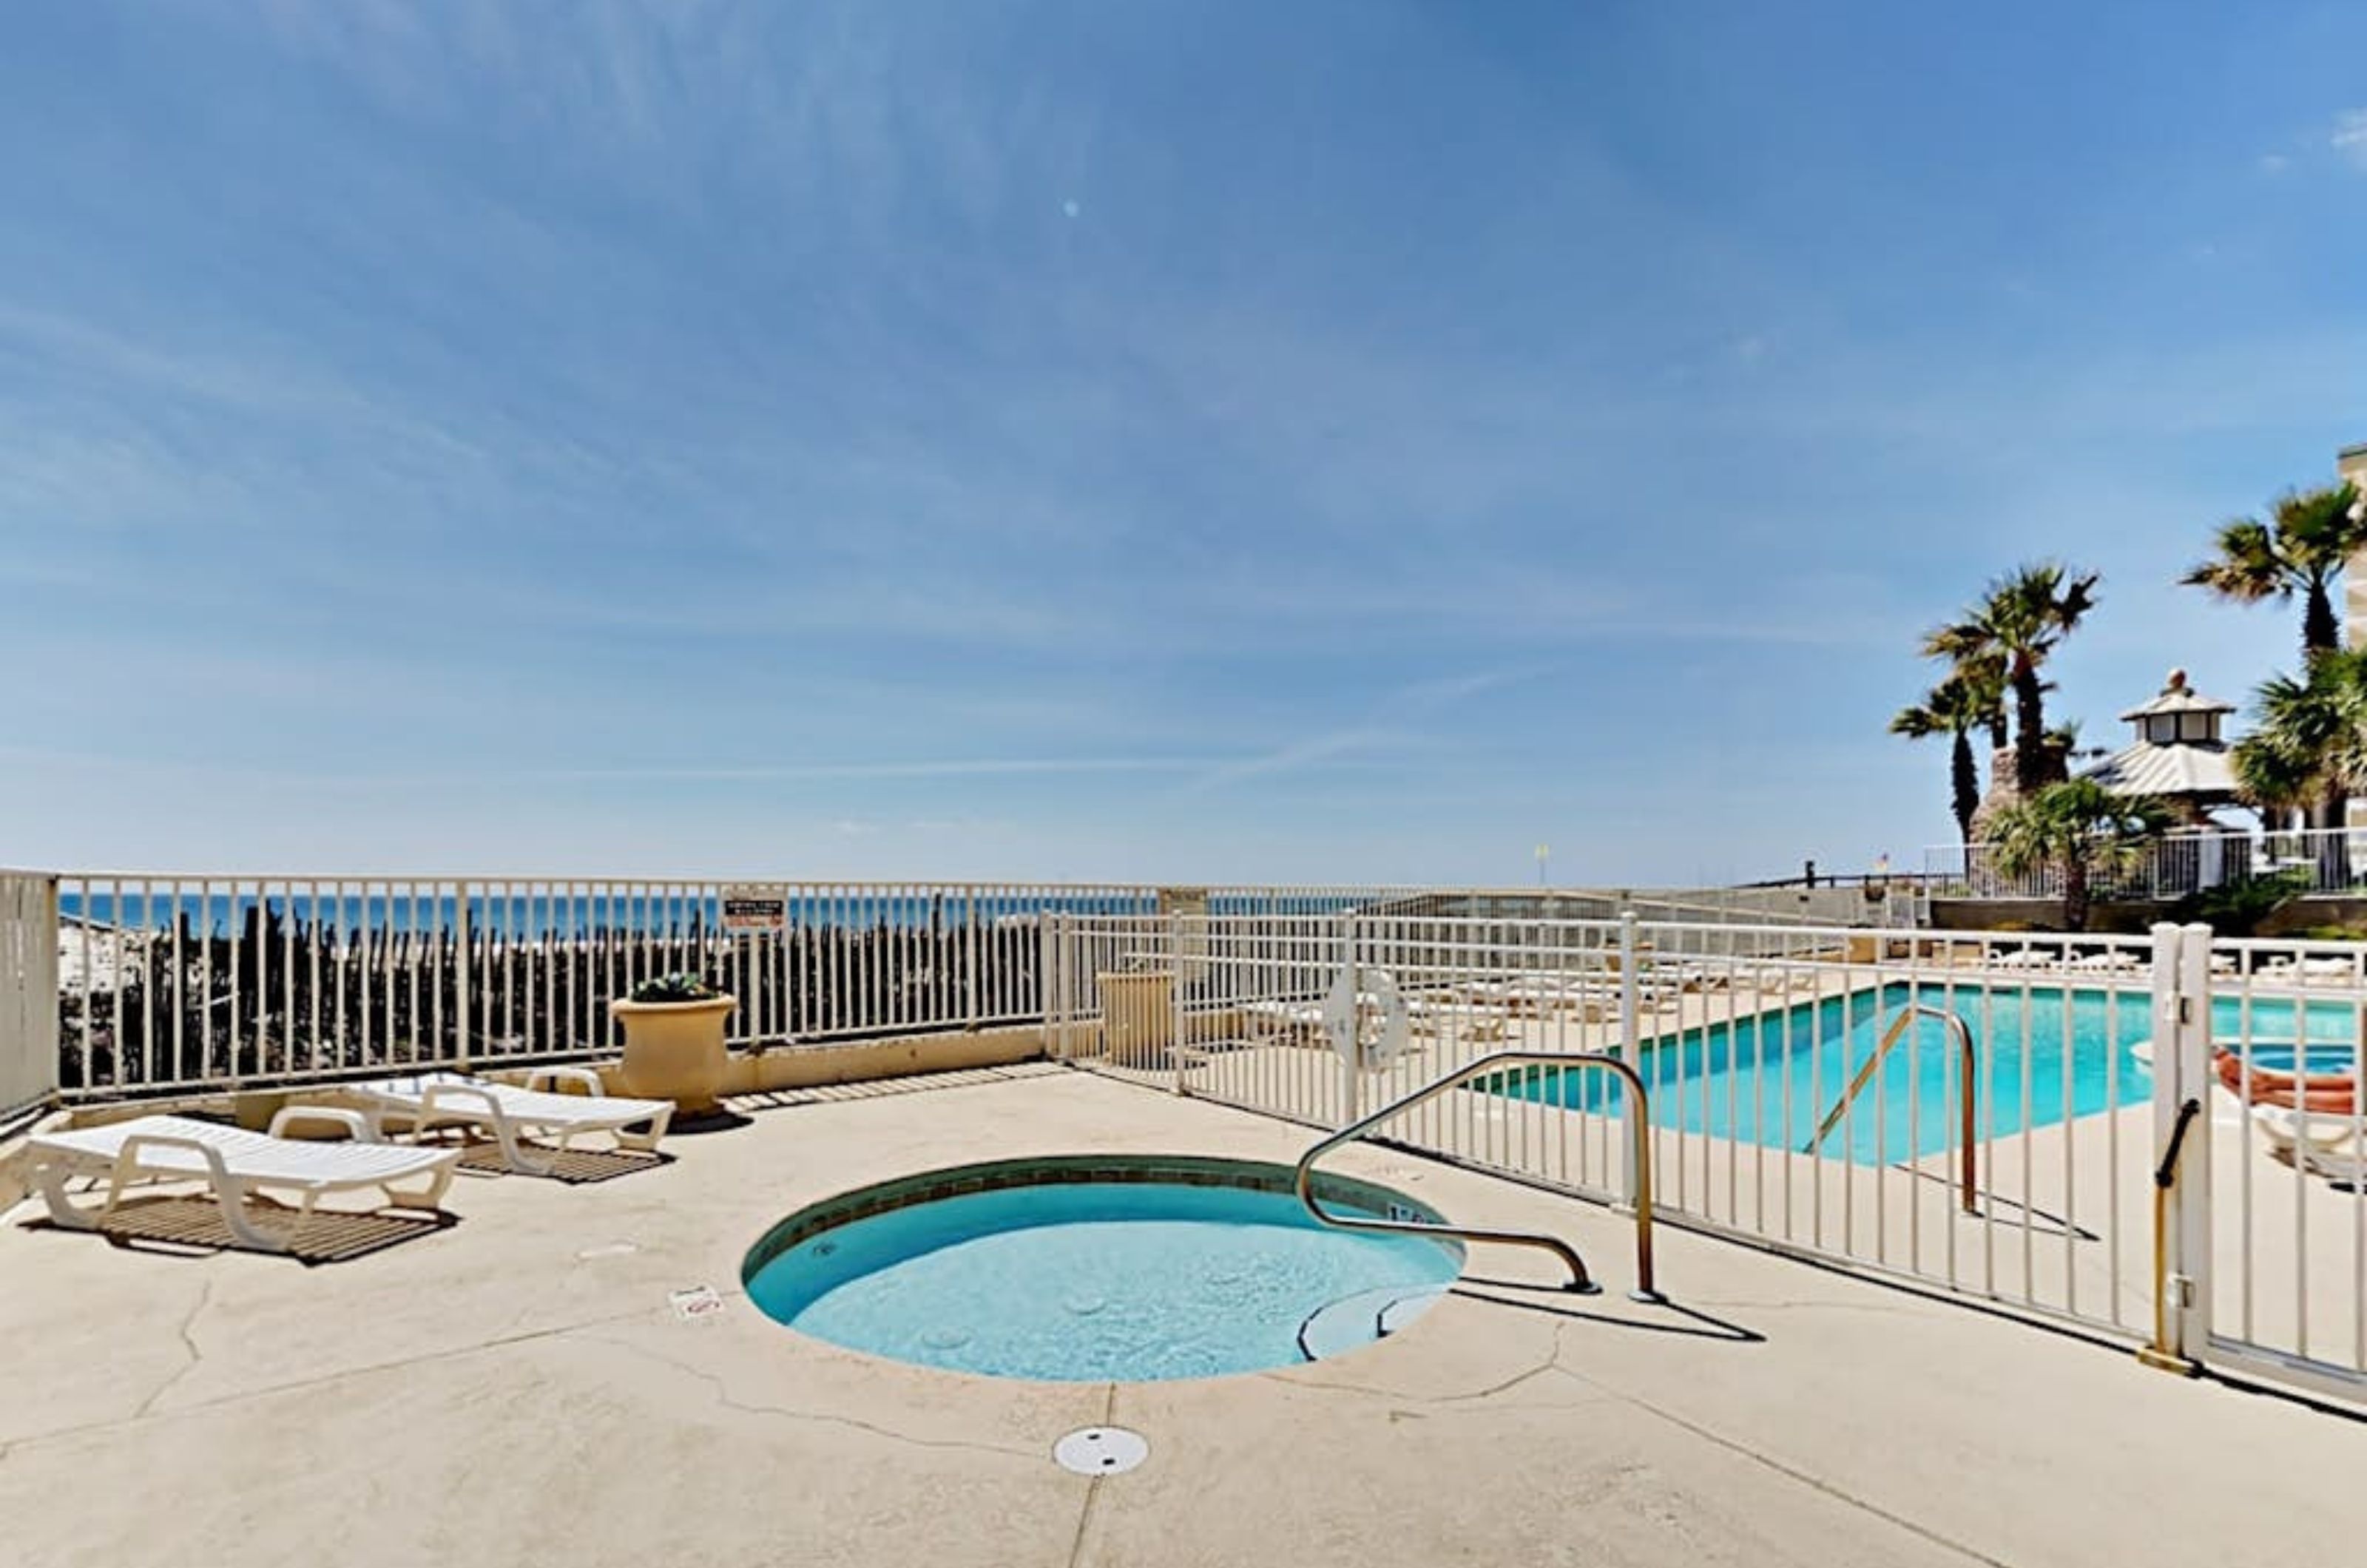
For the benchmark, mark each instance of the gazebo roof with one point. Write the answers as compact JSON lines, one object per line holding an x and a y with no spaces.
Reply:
{"x":2191,"y":769}
{"x":2177,"y":696}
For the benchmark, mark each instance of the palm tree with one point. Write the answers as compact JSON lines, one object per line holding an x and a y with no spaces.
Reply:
{"x":2308,"y":750}
{"x":1955,"y":707}
{"x":2078,"y":827}
{"x":2308,"y":536}
{"x":2020,"y":620}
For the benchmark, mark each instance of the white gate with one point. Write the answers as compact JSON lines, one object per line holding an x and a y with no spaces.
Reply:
{"x":2263,"y":1208}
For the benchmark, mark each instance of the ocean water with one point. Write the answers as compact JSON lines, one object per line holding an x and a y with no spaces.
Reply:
{"x":560,"y":914}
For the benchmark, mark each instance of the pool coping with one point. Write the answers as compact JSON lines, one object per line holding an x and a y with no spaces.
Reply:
{"x":1042,"y":1170}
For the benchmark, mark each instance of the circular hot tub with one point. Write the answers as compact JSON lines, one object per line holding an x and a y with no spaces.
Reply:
{"x":1100,"y":1268}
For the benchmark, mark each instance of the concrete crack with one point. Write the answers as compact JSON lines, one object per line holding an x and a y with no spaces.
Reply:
{"x":1551,"y":1364}
{"x":1839,"y":1494}
{"x":723,"y":1396}
{"x":188,"y":1342}
{"x":1092,"y":1484}
{"x":248,"y":1395}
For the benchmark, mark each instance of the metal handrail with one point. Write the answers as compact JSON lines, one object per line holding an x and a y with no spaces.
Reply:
{"x":1968,"y":1175}
{"x":1640,"y":1175}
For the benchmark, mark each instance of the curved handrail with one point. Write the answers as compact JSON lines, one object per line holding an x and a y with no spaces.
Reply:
{"x":1969,"y":1174}
{"x":1640,"y":1175}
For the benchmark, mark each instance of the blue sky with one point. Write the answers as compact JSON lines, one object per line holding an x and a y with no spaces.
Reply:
{"x":1230,"y":441}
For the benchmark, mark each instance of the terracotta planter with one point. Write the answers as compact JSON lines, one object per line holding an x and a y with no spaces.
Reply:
{"x":675,"y":1050}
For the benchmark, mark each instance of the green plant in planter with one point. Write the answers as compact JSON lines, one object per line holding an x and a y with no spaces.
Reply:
{"x":677,"y":987}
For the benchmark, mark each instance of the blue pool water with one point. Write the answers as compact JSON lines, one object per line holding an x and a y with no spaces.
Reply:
{"x":1088,"y":1281}
{"x":2044,"y":1053}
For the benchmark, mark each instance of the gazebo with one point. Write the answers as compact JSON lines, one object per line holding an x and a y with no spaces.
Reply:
{"x":2178,"y":755}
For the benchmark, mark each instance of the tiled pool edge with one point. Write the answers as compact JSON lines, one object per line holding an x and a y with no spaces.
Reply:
{"x":954,"y":1181}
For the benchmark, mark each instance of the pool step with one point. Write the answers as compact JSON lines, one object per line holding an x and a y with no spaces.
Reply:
{"x":1362,"y":1317}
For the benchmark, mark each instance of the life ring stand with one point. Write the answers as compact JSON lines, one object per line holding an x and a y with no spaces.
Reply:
{"x":1359,"y":991}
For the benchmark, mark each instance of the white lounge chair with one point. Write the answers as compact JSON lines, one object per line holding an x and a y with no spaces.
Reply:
{"x":2311,"y":1139}
{"x":236,"y":1166}
{"x":532,"y":1127}
{"x":1279,"y":1022}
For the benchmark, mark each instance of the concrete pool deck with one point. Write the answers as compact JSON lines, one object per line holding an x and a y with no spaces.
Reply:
{"x":519,"y":1388}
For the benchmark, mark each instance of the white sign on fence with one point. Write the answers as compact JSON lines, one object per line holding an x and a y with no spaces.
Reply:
{"x":749,"y":908}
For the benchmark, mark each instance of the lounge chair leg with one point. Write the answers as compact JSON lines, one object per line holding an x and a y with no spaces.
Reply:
{"x":431,"y":1197}
{"x":51,"y":1176}
{"x":646,"y":1143}
{"x":230,"y":1196}
{"x":514,"y":1146}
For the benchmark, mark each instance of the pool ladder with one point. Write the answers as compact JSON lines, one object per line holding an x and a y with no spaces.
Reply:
{"x":1640,"y":1176}
{"x":1968,"y":1173}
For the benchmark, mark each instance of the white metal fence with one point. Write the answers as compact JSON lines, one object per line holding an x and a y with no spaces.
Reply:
{"x":183,"y":983}
{"x":28,"y":989}
{"x":1977,"y":1112}
{"x":2319,"y":860}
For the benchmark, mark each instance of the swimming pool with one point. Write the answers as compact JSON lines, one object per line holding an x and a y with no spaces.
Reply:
{"x":2043,"y":1053}
{"x":1099,"y":1268}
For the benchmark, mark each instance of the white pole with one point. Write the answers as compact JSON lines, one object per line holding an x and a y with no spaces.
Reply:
{"x":1631,"y":1131}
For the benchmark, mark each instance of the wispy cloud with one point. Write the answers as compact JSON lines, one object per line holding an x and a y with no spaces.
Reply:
{"x":1390,"y":726}
{"x":2349,"y":137}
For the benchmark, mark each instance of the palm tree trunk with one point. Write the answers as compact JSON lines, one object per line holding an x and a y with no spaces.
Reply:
{"x":2320,"y":632}
{"x":1965,"y":786}
{"x":2029,"y":729}
{"x":2075,"y":892}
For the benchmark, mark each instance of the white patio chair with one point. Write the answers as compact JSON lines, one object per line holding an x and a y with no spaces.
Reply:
{"x":236,"y":1166}
{"x":532,"y":1127}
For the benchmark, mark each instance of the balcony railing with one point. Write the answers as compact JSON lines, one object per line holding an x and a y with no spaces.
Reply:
{"x":2319,"y":861}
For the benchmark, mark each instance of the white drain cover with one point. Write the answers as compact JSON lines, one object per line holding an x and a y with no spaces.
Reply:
{"x":1102,"y":1450}
{"x":697,"y":1304}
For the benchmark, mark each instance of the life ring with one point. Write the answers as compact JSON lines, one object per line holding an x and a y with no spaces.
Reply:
{"x":2335,"y":1092}
{"x":1360,"y":996}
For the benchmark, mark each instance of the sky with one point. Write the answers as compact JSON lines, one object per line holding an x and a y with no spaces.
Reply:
{"x":1210,"y":441}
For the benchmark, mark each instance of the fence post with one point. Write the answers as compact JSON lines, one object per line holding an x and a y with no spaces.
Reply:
{"x":1631,"y":1129}
{"x":1175,"y":997}
{"x":1350,"y":1075}
{"x":1627,"y":987}
{"x":29,"y":1001}
{"x":1049,"y":986}
{"x":462,"y":962}
{"x":969,"y":939}
{"x":2181,"y":1170}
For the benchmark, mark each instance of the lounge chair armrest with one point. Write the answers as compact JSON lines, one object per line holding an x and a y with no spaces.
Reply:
{"x":355,"y":1124}
{"x":439,"y":1094}
{"x":128,"y":1163}
{"x":585,"y":1079}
